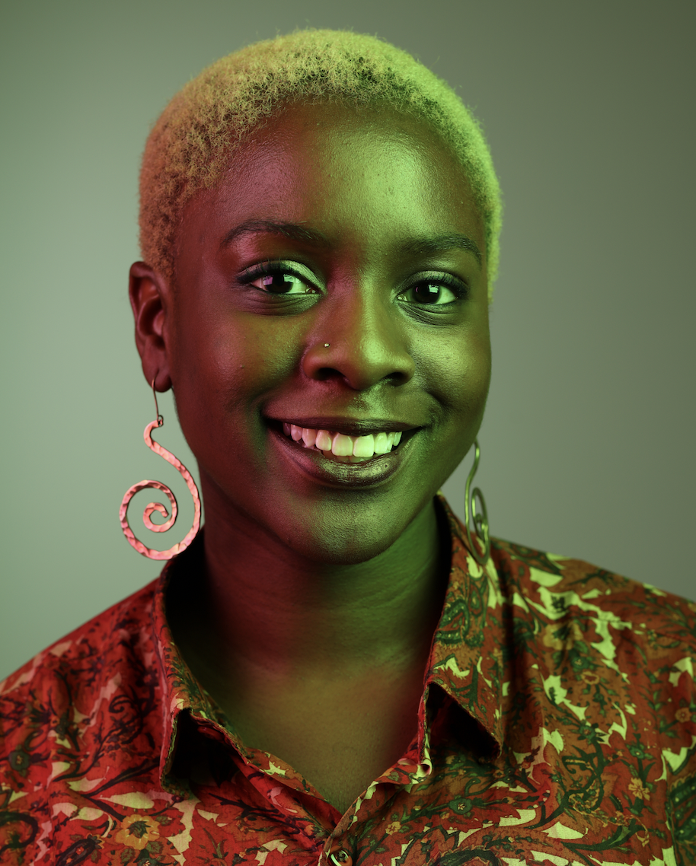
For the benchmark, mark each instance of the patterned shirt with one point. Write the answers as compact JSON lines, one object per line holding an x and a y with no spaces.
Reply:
{"x":557,"y":726}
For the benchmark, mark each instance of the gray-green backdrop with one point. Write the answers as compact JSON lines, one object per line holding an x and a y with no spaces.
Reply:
{"x":587,"y":445}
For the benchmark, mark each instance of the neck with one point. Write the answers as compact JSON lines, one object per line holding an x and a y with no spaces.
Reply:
{"x":236,"y":605}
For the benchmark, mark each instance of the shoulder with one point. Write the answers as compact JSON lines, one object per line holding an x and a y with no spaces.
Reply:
{"x":572,"y":620}
{"x":112,"y":631}
{"x":558,"y":586}
{"x":85,"y":699}
{"x":52,"y":697}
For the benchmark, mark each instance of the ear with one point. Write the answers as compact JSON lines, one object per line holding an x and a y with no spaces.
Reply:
{"x":151,"y":301}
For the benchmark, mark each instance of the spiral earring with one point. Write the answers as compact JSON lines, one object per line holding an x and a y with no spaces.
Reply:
{"x":480,"y":520}
{"x":157,"y":506}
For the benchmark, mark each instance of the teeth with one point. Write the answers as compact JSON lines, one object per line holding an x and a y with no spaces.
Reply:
{"x":341,"y":445}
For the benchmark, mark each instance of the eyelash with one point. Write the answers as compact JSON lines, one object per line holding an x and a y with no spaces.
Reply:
{"x":459,"y":289}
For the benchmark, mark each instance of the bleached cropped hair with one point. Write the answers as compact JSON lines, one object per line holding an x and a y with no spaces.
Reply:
{"x":197,"y":134}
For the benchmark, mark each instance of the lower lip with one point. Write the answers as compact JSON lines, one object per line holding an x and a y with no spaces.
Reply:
{"x":372,"y":472}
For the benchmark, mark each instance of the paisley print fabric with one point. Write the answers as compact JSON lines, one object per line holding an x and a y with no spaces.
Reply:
{"x":557,"y":726}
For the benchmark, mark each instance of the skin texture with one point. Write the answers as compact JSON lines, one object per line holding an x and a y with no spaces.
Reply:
{"x":305,"y":587}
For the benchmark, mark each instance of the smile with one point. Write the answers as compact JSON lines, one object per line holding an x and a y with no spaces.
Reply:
{"x":348,"y":470}
{"x":344,"y":448}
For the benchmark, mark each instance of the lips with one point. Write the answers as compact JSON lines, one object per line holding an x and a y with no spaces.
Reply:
{"x":405,"y":436}
{"x":349,"y":427}
{"x":313,"y":463}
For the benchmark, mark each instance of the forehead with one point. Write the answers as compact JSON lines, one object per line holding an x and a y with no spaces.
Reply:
{"x":363,"y":177}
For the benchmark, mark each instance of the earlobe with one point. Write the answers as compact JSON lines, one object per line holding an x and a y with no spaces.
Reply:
{"x":149,"y":298}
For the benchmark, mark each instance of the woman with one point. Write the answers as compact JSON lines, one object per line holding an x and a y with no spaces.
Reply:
{"x":336,"y":669}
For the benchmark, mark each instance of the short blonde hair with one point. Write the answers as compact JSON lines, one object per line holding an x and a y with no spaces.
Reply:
{"x":201,"y":128}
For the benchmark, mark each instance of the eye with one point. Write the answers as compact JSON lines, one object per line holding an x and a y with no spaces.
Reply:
{"x":278,"y":279}
{"x":273,"y":275}
{"x":429,"y":291}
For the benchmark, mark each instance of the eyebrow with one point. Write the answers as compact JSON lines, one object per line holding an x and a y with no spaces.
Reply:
{"x":413,"y":246}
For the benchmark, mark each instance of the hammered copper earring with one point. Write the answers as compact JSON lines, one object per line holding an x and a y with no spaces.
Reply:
{"x":480,"y":520}
{"x":157,"y":506}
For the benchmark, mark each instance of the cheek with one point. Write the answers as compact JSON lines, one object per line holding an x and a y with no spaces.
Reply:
{"x":478,"y":369}
{"x":221,"y":366}
{"x":459,"y":374}
{"x":468,"y":382}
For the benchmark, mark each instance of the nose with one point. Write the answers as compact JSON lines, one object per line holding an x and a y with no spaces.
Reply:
{"x":368,"y":340}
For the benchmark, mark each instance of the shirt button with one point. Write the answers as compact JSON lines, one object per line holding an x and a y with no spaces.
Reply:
{"x":341,"y":858}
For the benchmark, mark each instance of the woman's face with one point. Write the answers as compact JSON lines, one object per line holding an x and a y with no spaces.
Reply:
{"x":403,"y":346}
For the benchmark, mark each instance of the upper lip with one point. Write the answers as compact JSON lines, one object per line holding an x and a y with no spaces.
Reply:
{"x":350,"y":426}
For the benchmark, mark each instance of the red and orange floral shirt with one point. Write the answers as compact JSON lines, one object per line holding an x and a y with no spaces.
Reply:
{"x":557,"y":726}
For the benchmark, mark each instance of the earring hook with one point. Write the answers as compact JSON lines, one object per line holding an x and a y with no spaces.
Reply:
{"x":160,"y":419}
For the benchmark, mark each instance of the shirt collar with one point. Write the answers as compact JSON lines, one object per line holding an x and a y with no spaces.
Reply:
{"x":467,"y":654}
{"x":465,"y":660}
{"x":181,"y":691}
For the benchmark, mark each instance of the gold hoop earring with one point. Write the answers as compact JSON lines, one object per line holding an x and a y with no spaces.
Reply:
{"x":157,"y":506}
{"x":480,"y":520}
